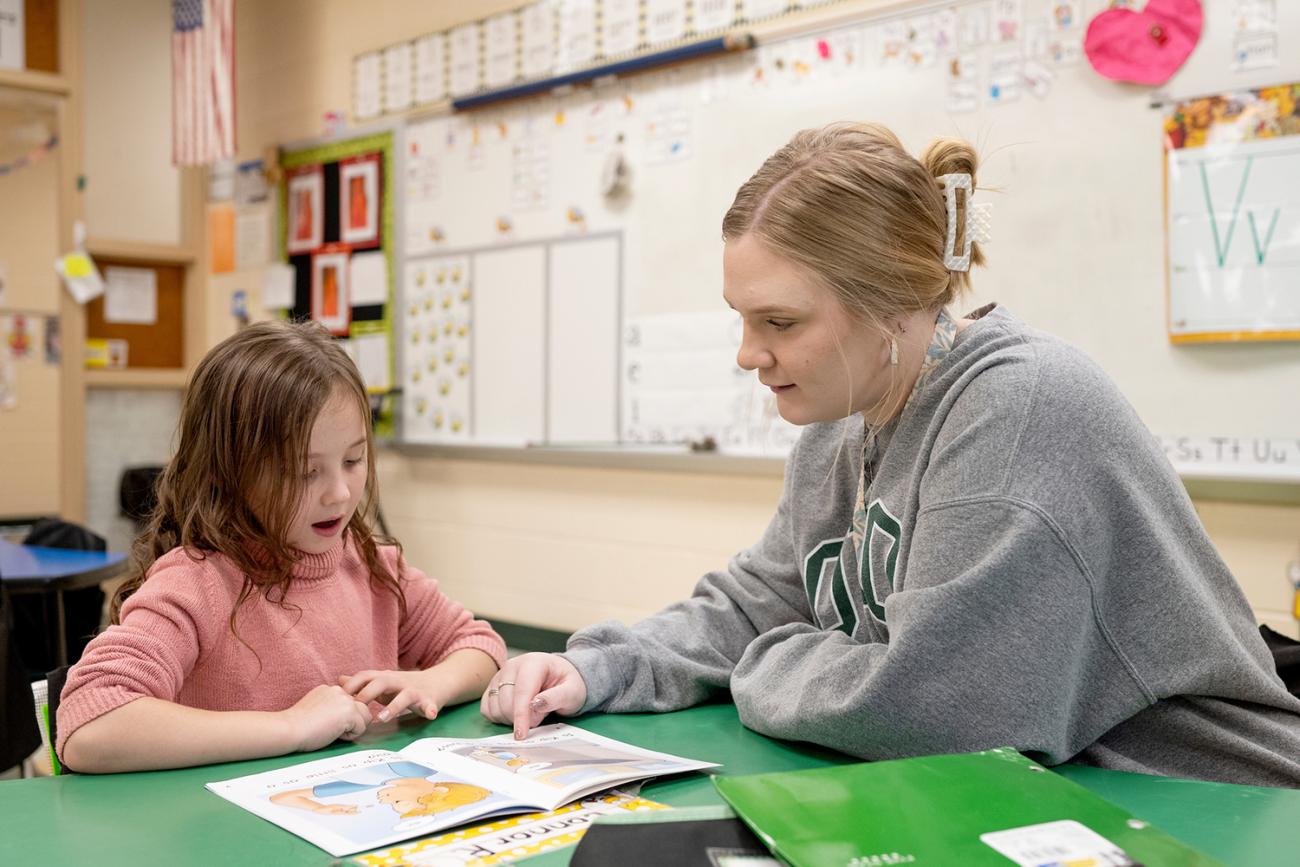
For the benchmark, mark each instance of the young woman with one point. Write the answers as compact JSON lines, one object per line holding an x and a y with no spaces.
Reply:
{"x":978,"y":543}
{"x":263,"y":616}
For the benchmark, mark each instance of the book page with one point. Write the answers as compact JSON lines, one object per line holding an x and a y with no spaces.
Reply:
{"x":361,"y":800}
{"x":555,"y":765}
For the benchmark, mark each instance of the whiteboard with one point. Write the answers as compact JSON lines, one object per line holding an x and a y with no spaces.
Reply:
{"x":583,"y":352}
{"x":509,"y":382}
{"x":1072,"y":163}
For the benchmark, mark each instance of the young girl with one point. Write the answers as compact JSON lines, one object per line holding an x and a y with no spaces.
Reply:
{"x":978,"y":542}
{"x":262,"y":616}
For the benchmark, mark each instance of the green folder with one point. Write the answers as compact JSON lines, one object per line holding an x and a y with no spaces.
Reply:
{"x":993,"y":808}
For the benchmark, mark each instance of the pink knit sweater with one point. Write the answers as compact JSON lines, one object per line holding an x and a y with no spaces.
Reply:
{"x":175,"y":642}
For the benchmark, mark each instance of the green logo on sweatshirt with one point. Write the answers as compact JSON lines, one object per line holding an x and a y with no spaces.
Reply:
{"x":823,"y":572}
{"x":879,"y":557}
{"x":815,"y":566}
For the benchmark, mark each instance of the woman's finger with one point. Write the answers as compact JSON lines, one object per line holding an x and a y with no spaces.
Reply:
{"x":490,"y":704}
{"x":547,"y":701}
{"x":530,"y":679}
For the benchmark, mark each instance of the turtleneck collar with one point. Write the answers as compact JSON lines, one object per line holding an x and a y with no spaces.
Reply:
{"x":317,"y":567}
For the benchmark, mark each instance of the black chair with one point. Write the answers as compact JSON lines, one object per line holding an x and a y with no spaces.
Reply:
{"x":19,"y":736}
{"x":35,"y":636}
{"x":137,"y":493}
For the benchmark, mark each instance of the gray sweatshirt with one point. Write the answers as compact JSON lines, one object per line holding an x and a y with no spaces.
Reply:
{"x":1031,"y":574}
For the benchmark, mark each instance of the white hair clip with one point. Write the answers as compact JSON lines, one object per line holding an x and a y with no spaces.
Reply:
{"x":977,"y":221}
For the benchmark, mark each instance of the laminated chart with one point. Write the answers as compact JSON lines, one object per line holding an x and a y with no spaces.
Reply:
{"x":437,"y":389}
{"x":1233,"y":164}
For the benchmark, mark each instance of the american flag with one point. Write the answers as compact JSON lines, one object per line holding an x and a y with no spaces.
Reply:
{"x":203,"y":81}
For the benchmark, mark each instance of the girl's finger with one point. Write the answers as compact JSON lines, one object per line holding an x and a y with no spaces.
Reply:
{"x":372,"y":691}
{"x":400,"y":702}
{"x":360,"y":720}
{"x":353,"y":682}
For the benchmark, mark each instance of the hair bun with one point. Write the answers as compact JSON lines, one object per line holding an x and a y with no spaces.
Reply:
{"x":950,"y":156}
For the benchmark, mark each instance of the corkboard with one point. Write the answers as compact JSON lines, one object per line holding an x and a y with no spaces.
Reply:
{"x":159,"y":345}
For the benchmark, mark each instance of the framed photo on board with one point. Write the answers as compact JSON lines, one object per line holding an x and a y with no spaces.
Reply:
{"x":359,"y":200}
{"x":306,"y":204}
{"x":331,"y":302}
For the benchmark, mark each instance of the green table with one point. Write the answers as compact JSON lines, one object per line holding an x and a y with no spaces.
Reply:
{"x":168,"y":817}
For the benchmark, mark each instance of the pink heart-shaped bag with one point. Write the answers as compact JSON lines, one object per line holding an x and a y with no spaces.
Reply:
{"x":1145,"y":47}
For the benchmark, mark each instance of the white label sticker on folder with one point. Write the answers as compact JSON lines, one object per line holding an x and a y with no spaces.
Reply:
{"x":1055,"y":843}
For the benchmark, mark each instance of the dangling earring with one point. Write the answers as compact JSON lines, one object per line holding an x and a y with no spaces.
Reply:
{"x":893,"y":351}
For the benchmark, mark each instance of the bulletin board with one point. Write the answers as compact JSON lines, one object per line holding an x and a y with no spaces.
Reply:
{"x":1072,"y":163}
{"x":159,"y":343}
{"x":337,"y":232}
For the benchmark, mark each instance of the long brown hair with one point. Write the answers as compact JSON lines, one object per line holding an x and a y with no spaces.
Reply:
{"x":234,"y":484}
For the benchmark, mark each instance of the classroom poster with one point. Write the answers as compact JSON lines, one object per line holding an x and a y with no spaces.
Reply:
{"x":538,"y":44}
{"x":359,"y":200}
{"x":1254,"y":40}
{"x":438,"y":386}
{"x":1232,"y":164}
{"x":620,"y":31}
{"x":331,"y":304}
{"x":501,"y":41}
{"x":398,"y":77}
{"x":577,"y":29}
{"x":708,"y":15}
{"x":430,"y":68}
{"x":465,"y":62}
{"x":367,"y":89}
{"x":665,"y":21}
{"x":306,"y":194}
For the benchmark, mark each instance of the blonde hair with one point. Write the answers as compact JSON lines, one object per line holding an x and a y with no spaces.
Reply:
{"x":235,"y":482}
{"x":847,"y":203}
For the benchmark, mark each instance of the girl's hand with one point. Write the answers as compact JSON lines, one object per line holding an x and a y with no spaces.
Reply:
{"x":529,"y":687}
{"x":420,"y":691}
{"x":324,"y":715}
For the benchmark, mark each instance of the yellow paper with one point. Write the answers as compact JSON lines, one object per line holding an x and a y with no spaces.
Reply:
{"x":77,"y":265}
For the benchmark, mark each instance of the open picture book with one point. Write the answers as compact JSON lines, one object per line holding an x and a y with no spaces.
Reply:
{"x":361,"y":800}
